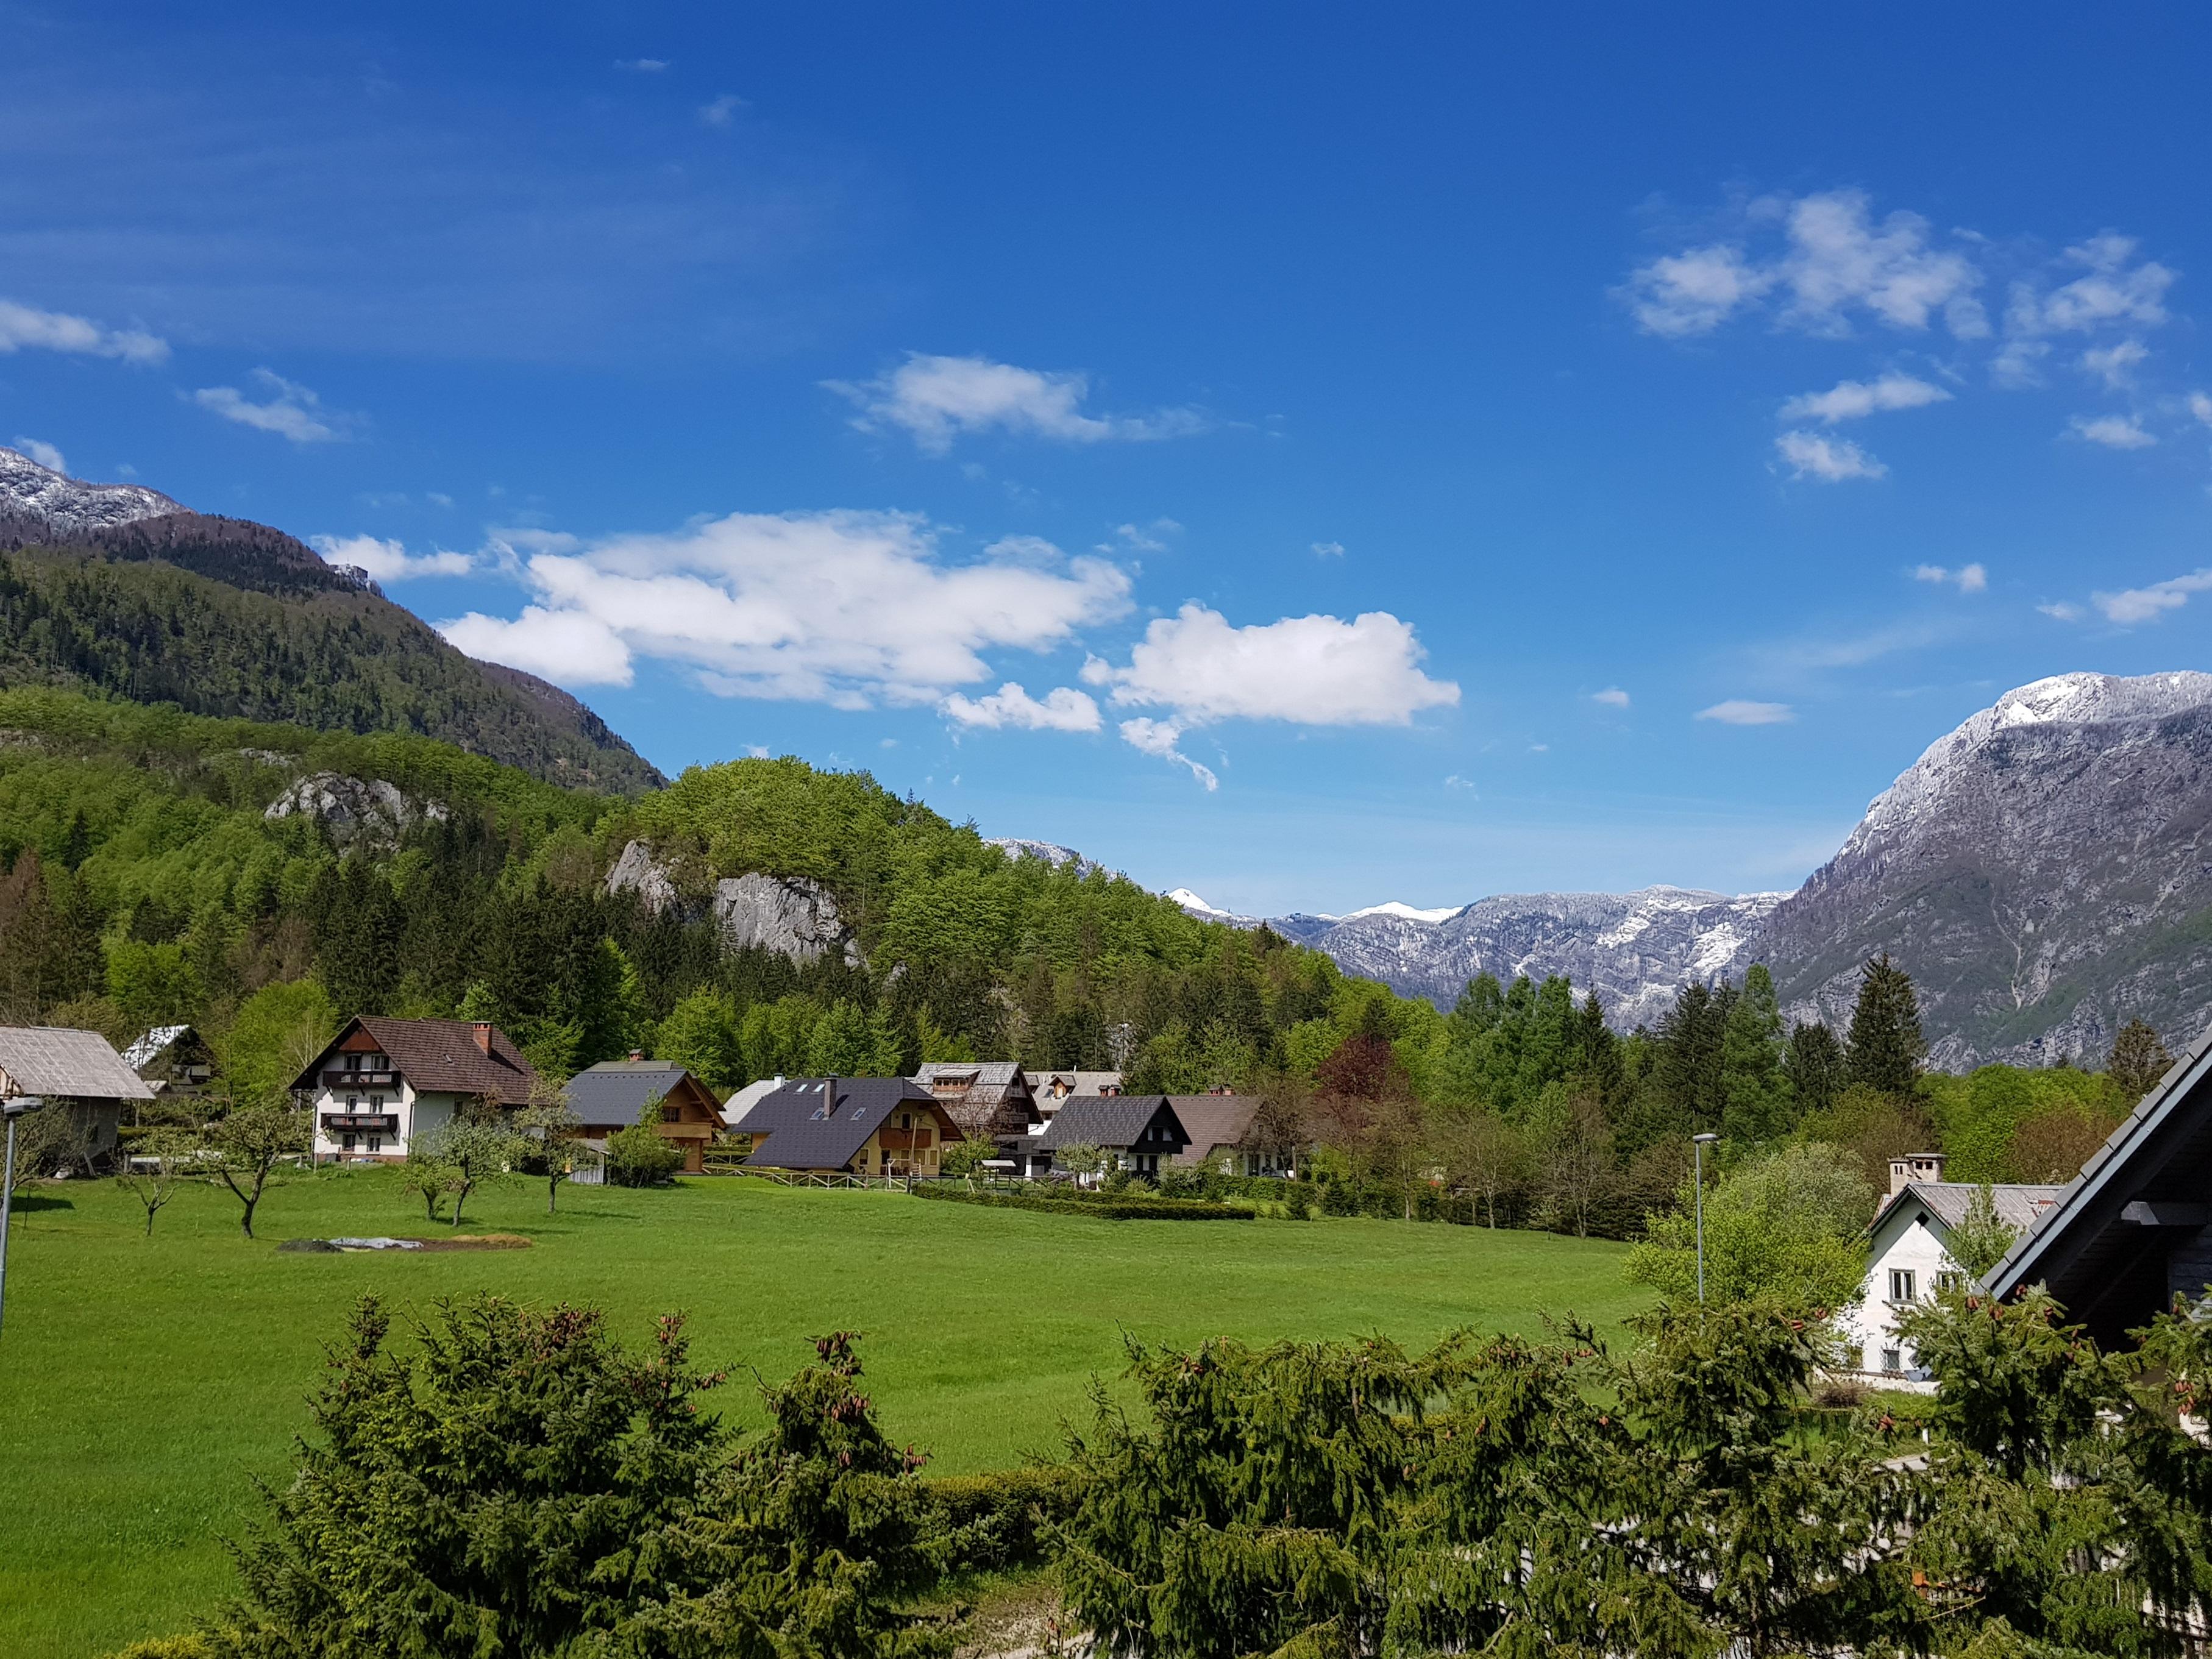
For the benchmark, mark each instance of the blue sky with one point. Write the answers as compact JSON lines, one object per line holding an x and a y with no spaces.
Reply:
{"x":1396,"y":453}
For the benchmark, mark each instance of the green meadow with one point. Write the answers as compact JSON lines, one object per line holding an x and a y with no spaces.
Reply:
{"x":145,"y":1383}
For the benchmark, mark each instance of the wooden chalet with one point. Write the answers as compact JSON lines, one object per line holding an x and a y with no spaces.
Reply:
{"x":619,"y":1094}
{"x":862,"y":1126}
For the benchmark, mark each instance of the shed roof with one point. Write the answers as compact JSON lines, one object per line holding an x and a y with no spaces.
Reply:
{"x":1113,"y":1121}
{"x":441,"y":1055}
{"x":615,"y":1092}
{"x":821,"y":1123}
{"x":53,"y":1060}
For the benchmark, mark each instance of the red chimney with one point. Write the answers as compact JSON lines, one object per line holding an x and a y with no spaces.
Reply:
{"x":482,"y":1029}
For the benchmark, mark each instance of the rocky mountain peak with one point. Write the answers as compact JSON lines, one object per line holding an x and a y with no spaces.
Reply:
{"x":55,"y":502}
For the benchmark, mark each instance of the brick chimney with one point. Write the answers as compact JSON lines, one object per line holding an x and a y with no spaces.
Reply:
{"x":636,"y":1056}
{"x":480,"y":1029}
{"x":1914,"y":1166}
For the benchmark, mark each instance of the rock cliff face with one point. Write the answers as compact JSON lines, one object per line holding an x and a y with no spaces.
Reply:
{"x":2044,"y":873}
{"x":50,"y":501}
{"x":372,"y":811}
{"x":791,"y":916}
{"x":1633,"y":949}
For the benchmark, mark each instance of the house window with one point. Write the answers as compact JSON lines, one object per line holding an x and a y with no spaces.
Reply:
{"x":1892,"y":1360}
{"x":376,"y":1143}
{"x":1901,"y":1288}
{"x":1949,"y":1281}
{"x":345,"y":1142}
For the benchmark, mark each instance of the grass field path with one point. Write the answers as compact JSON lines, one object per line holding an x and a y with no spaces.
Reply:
{"x":145,"y":1383}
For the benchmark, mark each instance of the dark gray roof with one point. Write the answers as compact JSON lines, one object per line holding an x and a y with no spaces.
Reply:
{"x":801,"y":1136}
{"x":1113,"y":1121}
{"x":615,"y":1091}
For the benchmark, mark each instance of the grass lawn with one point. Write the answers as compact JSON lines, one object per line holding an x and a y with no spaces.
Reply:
{"x":144,"y":1383}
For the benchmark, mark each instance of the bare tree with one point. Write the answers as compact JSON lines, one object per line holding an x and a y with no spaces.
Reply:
{"x":50,"y":1140}
{"x":1578,"y":1166}
{"x":1487,"y":1157}
{"x":154,"y":1167}
{"x":244,"y":1147}
{"x":552,"y":1127}
{"x":479,"y":1147}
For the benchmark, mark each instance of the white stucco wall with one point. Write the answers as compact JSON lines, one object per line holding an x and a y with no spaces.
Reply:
{"x":1916,"y":1247}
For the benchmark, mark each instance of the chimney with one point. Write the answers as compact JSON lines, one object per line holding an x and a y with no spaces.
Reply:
{"x":482,"y":1031}
{"x":636,"y":1056}
{"x":830,"y":1095}
{"x":1914,"y":1166}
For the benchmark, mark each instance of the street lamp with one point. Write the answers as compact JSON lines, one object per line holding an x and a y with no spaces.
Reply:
{"x":11,"y":1109}
{"x":1698,"y":1145}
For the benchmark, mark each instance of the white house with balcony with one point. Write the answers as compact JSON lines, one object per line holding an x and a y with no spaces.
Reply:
{"x":382,"y":1082}
{"x":1908,"y":1254}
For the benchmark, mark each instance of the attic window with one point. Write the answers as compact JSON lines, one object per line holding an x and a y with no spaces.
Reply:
{"x":858,"y":1112}
{"x":820,"y":1113}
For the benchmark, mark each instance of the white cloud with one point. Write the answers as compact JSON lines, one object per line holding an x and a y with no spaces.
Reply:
{"x":389,"y":561}
{"x":1613,"y":697}
{"x":2018,"y":365}
{"x":1160,"y":738}
{"x":1329,"y":549}
{"x":2110,"y":293}
{"x":2142,"y":604}
{"x":1832,"y":460}
{"x":2063,"y":610}
{"x":568,"y":648}
{"x":2115,"y":364}
{"x":438,"y":497}
{"x":1316,"y":670}
{"x":758,"y":750}
{"x":1063,"y":709}
{"x":641,"y":65}
{"x":1142,"y":537}
{"x":936,"y":399}
{"x":293,"y":411}
{"x":43,"y":453}
{"x":721,"y":111}
{"x":1852,"y":400}
{"x":1835,"y":260}
{"x":847,"y":607}
{"x":27,"y":328}
{"x":1455,"y":781}
{"x":2112,"y":431}
{"x":1737,"y":711}
{"x":1968,"y":578}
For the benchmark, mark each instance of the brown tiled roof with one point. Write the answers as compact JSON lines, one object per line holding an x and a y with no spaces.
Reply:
{"x":1213,"y":1122}
{"x":441,"y":1054}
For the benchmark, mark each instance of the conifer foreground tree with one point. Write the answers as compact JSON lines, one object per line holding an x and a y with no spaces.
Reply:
{"x":2139,"y":1060}
{"x":1884,"y":1048}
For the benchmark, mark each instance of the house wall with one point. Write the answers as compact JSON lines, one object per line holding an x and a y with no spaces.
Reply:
{"x":1871,"y":1326}
{"x":410,"y":1115}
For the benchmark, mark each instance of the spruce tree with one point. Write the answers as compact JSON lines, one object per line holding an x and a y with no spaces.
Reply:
{"x":1756,"y":1097}
{"x":2139,"y":1060}
{"x":1884,"y":1048}
{"x":1815,"y":1066}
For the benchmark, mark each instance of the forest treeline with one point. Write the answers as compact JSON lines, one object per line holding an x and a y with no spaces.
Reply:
{"x":145,"y":884}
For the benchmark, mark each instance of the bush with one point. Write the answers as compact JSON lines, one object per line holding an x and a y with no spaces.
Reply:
{"x":996,"y":1520}
{"x":1298,"y":1201}
{"x":1108,"y":1207}
{"x":638,"y":1157}
{"x":168,"y":1647}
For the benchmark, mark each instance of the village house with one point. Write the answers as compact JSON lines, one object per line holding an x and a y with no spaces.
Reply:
{"x":1048,"y":1089}
{"x":986,"y":1098}
{"x":174,"y":1059}
{"x":1221,"y":1127}
{"x":1142,"y":1132}
{"x":78,"y":1072}
{"x":2134,"y":1230}
{"x":381,"y":1083}
{"x":619,"y":1094}
{"x":862,"y":1126}
{"x":1909,"y":1252}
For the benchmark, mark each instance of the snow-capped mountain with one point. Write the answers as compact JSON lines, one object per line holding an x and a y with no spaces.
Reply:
{"x":39,"y":497}
{"x":1017,"y":847}
{"x":2044,"y":873}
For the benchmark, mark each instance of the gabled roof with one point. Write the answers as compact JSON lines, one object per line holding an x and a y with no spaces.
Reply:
{"x":1109,"y":1120}
{"x":817,"y":1123}
{"x":2019,"y":1206}
{"x":148,"y":1048}
{"x":440,"y":1055}
{"x":998,"y":1074}
{"x":735,"y":1109}
{"x":1079,"y":1082}
{"x":2090,"y":1257}
{"x":1213,"y":1122}
{"x":615,"y":1092}
{"x":51,"y":1060}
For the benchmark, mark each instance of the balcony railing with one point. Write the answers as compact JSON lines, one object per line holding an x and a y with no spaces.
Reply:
{"x":384,"y":1080}
{"x":376,"y":1122}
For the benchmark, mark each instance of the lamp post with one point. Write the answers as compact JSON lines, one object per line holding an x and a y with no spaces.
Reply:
{"x":1698,"y":1145}
{"x":11,"y":1109}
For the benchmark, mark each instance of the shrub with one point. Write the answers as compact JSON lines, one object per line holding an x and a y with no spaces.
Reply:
{"x":168,"y":1647}
{"x":1298,"y":1201}
{"x":1000,"y":1520}
{"x":637,"y":1156}
{"x":1105,"y":1207}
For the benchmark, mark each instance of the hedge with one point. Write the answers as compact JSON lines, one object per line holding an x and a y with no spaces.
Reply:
{"x":998,"y":1520}
{"x":1106,"y":1209}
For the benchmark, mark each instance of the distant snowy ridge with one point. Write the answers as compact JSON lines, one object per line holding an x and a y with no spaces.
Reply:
{"x":60,"y":502}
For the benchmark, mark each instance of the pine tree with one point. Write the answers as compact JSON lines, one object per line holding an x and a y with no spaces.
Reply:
{"x":1884,"y":1048}
{"x":1755,"y":1095}
{"x":2139,"y":1060}
{"x":1815,"y":1066}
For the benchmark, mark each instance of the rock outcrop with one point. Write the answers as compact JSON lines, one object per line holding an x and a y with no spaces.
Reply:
{"x":791,"y":916}
{"x":637,"y":871}
{"x":371,"y":812}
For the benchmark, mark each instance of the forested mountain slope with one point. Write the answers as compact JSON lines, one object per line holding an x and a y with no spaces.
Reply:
{"x":113,"y":588}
